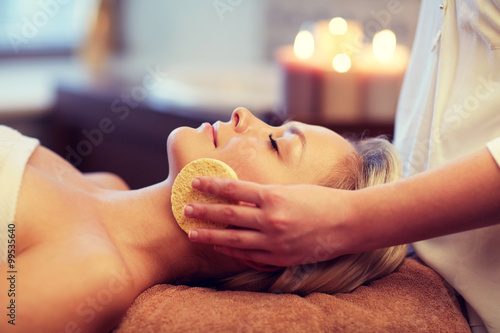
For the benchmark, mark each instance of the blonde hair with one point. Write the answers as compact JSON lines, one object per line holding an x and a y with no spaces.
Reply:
{"x":375,"y":162}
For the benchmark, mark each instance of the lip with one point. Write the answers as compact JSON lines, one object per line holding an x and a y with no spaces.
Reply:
{"x":215,"y":131}
{"x":211,"y":131}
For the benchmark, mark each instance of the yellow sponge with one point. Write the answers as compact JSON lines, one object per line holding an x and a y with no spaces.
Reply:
{"x":183,"y":193}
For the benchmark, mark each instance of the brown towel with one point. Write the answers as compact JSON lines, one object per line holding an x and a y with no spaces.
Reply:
{"x":412,"y":299}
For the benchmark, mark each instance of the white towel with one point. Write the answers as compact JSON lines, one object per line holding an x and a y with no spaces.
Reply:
{"x":15,"y":150}
{"x":494,"y":148}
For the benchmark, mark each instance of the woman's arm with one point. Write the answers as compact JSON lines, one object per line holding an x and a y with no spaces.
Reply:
{"x":304,"y":223}
{"x":461,"y":196}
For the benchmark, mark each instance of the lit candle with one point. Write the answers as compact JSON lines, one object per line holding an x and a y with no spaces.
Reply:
{"x":337,"y":40}
{"x":339,"y":97}
{"x":300,"y":79}
{"x":303,"y":47}
{"x":320,"y":82}
{"x":337,"y":36}
{"x":381,"y":70}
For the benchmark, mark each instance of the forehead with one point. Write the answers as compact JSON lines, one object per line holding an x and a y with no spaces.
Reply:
{"x":323,"y":150}
{"x":318,"y":134}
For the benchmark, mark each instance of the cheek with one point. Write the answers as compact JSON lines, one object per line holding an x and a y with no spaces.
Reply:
{"x":239,"y":154}
{"x":252,"y":163}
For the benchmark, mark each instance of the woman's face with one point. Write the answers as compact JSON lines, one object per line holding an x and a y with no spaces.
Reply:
{"x":289,"y":154}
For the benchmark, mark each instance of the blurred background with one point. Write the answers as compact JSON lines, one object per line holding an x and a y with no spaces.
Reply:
{"x":103,"y":82}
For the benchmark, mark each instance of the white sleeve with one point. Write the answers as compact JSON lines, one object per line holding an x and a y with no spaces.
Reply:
{"x":15,"y":150}
{"x":494,"y":148}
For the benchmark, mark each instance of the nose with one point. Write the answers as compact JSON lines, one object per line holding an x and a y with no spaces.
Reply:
{"x":242,"y":119}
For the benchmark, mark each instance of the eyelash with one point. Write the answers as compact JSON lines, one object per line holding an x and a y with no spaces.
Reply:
{"x":273,"y":143}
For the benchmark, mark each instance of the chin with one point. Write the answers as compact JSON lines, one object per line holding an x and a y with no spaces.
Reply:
{"x":184,"y":145}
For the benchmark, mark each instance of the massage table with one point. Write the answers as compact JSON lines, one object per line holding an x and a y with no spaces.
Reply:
{"x":412,"y":299}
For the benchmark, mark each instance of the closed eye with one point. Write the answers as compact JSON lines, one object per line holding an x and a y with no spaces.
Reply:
{"x":273,"y":143}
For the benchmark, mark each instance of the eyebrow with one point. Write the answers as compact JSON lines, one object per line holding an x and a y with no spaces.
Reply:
{"x":295,"y":130}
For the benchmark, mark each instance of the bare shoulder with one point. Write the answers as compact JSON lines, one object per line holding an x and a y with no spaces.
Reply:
{"x":86,"y":292}
{"x":72,"y":273}
{"x":54,"y":193}
{"x":54,"y":166}
{"x":107,"y":180}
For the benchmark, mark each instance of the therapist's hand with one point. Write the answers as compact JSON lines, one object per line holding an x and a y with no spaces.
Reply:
{"x":276,"y":225}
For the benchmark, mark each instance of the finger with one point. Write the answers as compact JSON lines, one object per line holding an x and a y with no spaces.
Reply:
{"x":234,"y":189}
{"x":237,"y":215}
{"x":235,"y":238}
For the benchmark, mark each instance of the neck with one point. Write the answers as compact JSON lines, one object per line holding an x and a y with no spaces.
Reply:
{"x":152,"y":245}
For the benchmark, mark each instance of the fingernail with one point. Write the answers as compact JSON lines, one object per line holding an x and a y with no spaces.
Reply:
{"x":188,"y":210}
{"x":193,"y":234}
{"x":195,"y":183}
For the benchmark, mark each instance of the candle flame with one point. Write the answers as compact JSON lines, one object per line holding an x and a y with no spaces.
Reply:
{"x":338,"y":26}
{"x":341,"y":63}
{"x":384,"y":44}
{"x":304,"y":44}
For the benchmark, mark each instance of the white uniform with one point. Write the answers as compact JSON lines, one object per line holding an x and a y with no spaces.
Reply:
{"x":449,"y":107}
{"x":15,"y":150}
